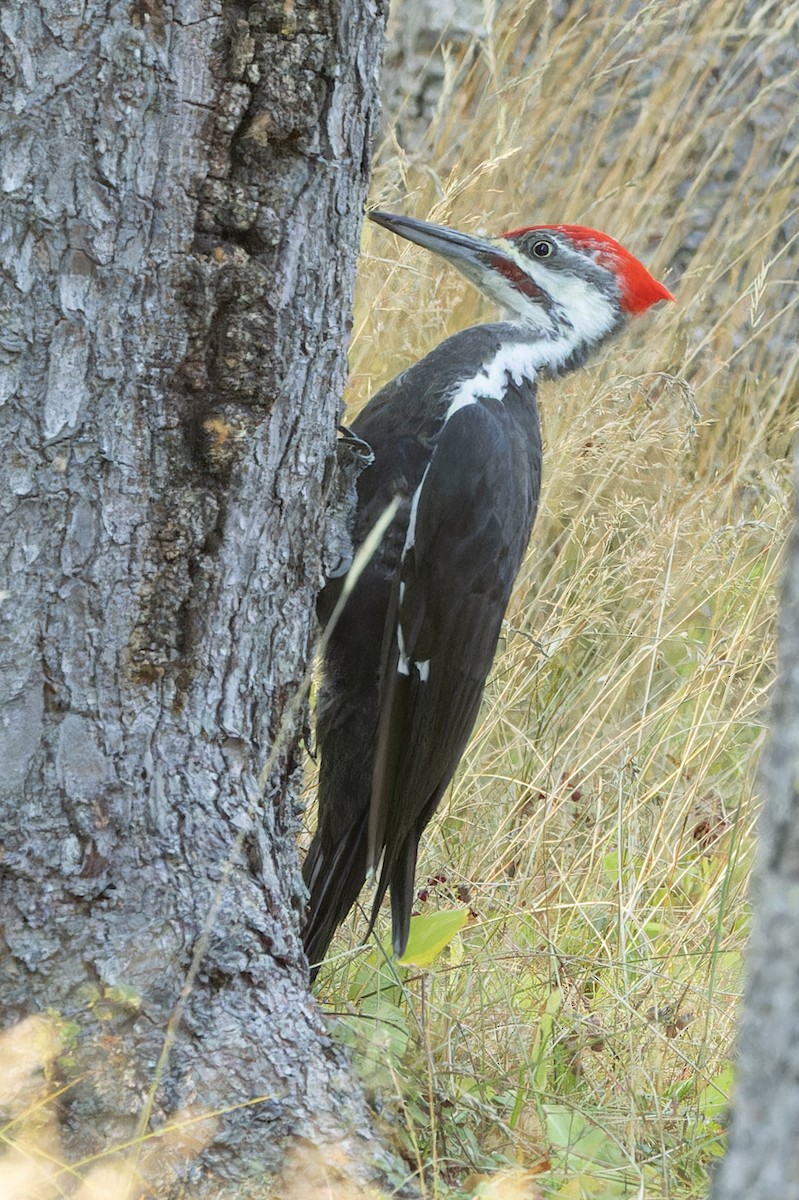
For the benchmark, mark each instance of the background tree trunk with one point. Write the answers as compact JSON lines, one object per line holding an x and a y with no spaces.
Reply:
{"x":181,"y":205}
{"x":762,"y":1161}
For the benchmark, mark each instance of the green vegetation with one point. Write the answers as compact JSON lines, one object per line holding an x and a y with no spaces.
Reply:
{"x":575,"y":1038}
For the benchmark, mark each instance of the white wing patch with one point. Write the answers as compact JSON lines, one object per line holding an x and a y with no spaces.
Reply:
{"x":403,"y":666}
{"x":403,"y":662}
{"x":411,"y":533}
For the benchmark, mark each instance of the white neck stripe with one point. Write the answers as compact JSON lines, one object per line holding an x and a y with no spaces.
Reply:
{"x":521,"y":360}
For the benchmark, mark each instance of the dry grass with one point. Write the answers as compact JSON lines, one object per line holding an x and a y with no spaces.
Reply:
{"x":581,"y":1029}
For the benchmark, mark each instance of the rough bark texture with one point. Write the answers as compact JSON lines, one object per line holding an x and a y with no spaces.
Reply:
{"x":182,"y":189}
{"x":762,"y":1162}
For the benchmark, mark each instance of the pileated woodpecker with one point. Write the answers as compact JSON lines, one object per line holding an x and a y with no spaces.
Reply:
{"x":456,"y":437}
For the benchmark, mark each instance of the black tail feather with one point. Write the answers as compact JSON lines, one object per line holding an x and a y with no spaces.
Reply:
{"x":402,"y":893}
{"x":334,"y":876}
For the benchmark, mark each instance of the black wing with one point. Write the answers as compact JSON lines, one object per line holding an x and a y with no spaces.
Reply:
{"x":470,"y":524}
{"x":348,"y":704}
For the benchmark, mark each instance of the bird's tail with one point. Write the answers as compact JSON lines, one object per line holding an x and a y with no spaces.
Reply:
{"x":399,"y":876}
{"x":403,"y":893}
{"x":334,"y":876}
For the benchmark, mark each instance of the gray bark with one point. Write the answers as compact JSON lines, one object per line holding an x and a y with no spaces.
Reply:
{"x":181,"y":203}
{"x":762,"y":1162}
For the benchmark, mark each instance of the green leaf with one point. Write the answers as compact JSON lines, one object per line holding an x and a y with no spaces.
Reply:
{"x":564,"y":1126}
{"x":430,"y":934}
{"x":379,"y":1036}
{"x":714,"y":1097}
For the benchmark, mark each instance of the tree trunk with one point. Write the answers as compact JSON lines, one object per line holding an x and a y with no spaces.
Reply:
{"x":181,"y":203}
{"x":762,"y":1162}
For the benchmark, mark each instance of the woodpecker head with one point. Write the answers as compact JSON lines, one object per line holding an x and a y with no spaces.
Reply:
{"x":569,"y":285}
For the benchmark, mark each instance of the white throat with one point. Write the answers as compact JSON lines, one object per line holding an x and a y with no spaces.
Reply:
{"x":577,"y":314}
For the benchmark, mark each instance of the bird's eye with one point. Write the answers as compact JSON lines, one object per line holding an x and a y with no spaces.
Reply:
{"x":542,"y":249}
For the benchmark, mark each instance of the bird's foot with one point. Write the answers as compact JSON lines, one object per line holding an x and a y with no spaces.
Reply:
{"x":361,"y":449}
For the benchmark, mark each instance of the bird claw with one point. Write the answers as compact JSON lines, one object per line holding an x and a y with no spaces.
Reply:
{"x":359,"y":447}
{"x":341,"y":568}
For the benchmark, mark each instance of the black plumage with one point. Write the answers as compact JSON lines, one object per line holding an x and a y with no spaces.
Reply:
{"x":390,"y":742}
